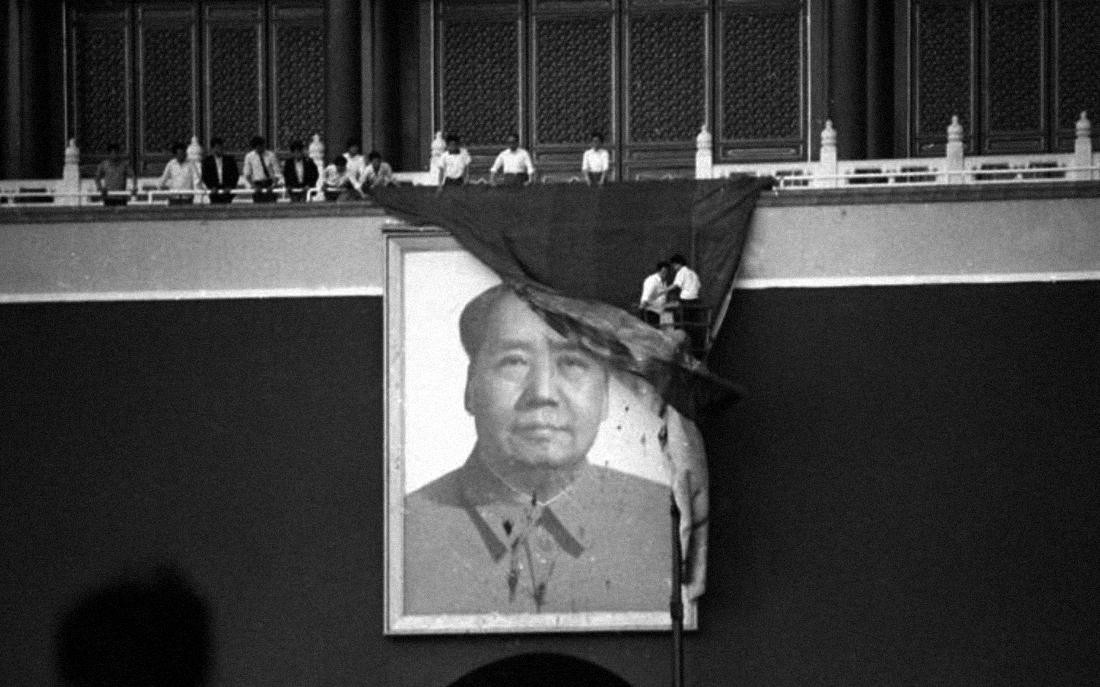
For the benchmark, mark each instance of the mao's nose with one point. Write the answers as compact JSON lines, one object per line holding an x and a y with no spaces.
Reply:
{"x":540,"y":387}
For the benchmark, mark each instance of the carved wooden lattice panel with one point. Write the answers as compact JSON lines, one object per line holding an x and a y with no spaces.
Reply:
{"x":101,"y":86}
{"x":167,"y":99}
{"x":299,"y":82}
{"x":667,"y":68}
{"x":1014,"y":81}
{"x":234,"y":84}
{"x":944,"y":67}
{"x":761,"y":74}
{"x":480,"y":75}
{"x":1078,"y":61}
{"x":572,"y":78}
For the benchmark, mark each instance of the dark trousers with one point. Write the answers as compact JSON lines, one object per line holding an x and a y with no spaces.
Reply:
{"x":453,"y":182}
{"x":263,"y":192}
{"x":693,"y":316}
{"x":220,"y":196}
{"x":297,"y":195}
{"x":514,"y":179}
{"x":653,"y":319}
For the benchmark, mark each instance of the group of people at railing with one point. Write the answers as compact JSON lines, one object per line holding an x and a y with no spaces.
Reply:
{"x":261,"y":176}
{"x":513,"y":166}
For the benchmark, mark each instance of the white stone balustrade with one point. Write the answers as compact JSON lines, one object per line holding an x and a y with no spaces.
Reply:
{"x":955,"y":167}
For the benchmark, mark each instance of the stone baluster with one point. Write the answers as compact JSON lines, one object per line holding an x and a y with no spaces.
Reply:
{"x":70,"y":175}
{"x":828,"y":167}
{"x":317,"y":154}
{"x":955,"y":165}
{"x":1082,"y":149}
{"x":438,"y":146}
{"x":704,"y":154}
{"x":194,"y":151}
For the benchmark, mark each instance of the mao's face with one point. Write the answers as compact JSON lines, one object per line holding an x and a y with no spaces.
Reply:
{"x":537,"y":399}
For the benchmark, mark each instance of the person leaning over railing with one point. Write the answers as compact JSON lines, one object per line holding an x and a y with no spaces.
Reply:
{"x":377,"y":172}
{"x":111,"y":176}
{"x":180,"y":174}
{"x":338,"y":184}
{"x":513,"y":165}
{"x":261,"y":171}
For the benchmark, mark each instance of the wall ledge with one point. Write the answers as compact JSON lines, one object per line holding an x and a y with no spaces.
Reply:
{"x":899,"y":194}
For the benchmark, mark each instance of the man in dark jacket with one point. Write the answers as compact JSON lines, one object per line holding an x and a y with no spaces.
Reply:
{"x":219,"y":173}
{"x":299,"y":173}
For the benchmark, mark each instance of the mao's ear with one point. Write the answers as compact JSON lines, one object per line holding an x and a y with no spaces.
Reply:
{"x":467,"y":398}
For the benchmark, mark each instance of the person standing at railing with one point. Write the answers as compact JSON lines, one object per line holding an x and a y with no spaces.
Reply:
{"x":299,"y":173}
{"x":513,"y":164}
{"x":261,"y":171}
{"x":180,"y":174}
{"x":111,"y":176}
{"x":454,"y":163}
{"x":595,"y":162}
{"x":219,"y":173}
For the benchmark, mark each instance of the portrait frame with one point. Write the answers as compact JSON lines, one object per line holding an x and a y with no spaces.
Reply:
{"x":424,"y":386}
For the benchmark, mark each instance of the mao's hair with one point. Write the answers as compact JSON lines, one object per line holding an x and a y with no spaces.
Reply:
{"x":471,"y":323}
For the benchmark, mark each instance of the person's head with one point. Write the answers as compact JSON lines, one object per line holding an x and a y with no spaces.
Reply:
{"x":179,"y":151}
{"x":512,"y":141}
{"x":341,"y":163}
{"x":217,"y":146}
{"x":114,"y":152}
{"x":597,"y":139}
{"x":258,"y":144}
{"x":353,"y":146}
{"x":537,"y":397}
{"x":664,"y":269}
{"x":375,"y":159}
{"x":453,"y":143}
{"x":677,"y":261}
{"x":297,"y":150}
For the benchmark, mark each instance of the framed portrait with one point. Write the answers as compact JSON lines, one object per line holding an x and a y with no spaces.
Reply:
{"x":526,"y":489}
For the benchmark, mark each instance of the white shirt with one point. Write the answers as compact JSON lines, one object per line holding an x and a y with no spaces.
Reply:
{"x":513,"y":162}
{"x":254,"y":167}
{"x":180,"y":176}
{"x":595,"y":160}
{"x":653,"y":293}
{"x":356,"y":166}
{"x":454,"y":164}
{"x":333,"y":178}
{"x":688,"y":282}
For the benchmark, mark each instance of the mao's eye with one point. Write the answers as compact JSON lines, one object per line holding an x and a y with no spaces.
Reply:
{"x":573,"y":362}
{"x":511,"y":360}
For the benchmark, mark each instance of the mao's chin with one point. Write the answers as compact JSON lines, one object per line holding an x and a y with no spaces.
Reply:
{"x":545,"y":448}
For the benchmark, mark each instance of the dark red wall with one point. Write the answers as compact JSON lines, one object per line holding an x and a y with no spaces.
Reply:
{"x":908,"y":495}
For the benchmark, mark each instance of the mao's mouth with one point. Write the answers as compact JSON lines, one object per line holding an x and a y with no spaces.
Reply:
{"x":538,"y":429}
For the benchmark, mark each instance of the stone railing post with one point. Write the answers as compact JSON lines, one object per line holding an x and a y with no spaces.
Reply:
{"x":704,"y":154}
{"x":955,"y":165}
{"x":827,"y":166}
{"x":437,"y":148}
{"x":70,"y":175}
{"x":1082,"y":149}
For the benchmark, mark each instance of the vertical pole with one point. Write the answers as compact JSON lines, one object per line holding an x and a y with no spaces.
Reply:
{"x":675,"y":599}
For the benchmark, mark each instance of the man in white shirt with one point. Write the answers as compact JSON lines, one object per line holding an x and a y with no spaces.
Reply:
{"x":180,"y":174}
{"x":261,"y":171}
{"x":596,"y":161}
{"x":377,"y":172}
{"x":338,"y":185}
{"x":514,"y":164}
{"x":357,"y":164}
{"x":685,"y":289}
{"x":454,"y":164}
{"x":652,"y":303}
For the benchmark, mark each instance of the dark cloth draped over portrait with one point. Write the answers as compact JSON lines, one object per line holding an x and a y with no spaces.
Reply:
{"x":573,"y":250}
